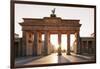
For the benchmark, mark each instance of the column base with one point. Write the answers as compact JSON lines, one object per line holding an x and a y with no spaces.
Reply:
{"x":77,"y":53}
{"x":45,"y":54}
{"x":68,"y":54}
{"x":59,"y":54}
{"x":34,"y":55}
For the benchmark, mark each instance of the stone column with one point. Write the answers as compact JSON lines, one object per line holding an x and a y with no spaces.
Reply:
{"x":18,"y":48}
{"x":59,"y":43}
{"x":24,"y":43}
{"x":87,"y":48}
{"x":39,"y":49}
{"x":77,"y":43}
{"x":46,"y":43}
{"x":93,"y":47}
{"x":68,"y":43}
{"x":82,"y":47}
{"x":35,"y":44}
{"x":49,"y":46}
{"x":29,"y":43}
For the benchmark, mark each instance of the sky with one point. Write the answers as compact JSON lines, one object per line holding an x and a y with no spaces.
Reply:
{"x":85,"y":15}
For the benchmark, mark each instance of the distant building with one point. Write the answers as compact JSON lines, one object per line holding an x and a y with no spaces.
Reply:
{"x":18,"y":45}
{"x":87,"y":45}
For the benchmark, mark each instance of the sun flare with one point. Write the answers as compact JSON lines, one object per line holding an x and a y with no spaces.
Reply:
{"x":54,"y":41}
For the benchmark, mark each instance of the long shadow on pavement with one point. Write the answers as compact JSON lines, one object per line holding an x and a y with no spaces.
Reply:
{"x":62,"y":59}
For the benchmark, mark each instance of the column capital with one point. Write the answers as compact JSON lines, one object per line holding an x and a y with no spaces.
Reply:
{"x":76,"y":32}
{"x":68,"y":33}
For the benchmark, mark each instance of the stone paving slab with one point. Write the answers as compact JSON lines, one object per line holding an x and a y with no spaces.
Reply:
{"x":24,"y":60}
{"x":54,"y":58}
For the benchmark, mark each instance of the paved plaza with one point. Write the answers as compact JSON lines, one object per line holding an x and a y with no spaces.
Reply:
{"x":53,"y":58}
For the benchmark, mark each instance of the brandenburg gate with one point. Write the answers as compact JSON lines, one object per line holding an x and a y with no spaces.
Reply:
{"x":32,"y":45}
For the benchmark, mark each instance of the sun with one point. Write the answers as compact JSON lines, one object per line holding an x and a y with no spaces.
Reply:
{"x":54,"y":41}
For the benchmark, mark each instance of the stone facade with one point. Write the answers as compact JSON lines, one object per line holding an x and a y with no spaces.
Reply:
{"x":88,"y":45}
{"x":33,"y":28}
{"x":18,"y":46}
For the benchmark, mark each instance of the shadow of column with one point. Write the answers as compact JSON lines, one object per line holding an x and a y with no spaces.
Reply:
{"x":62,"y":59}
